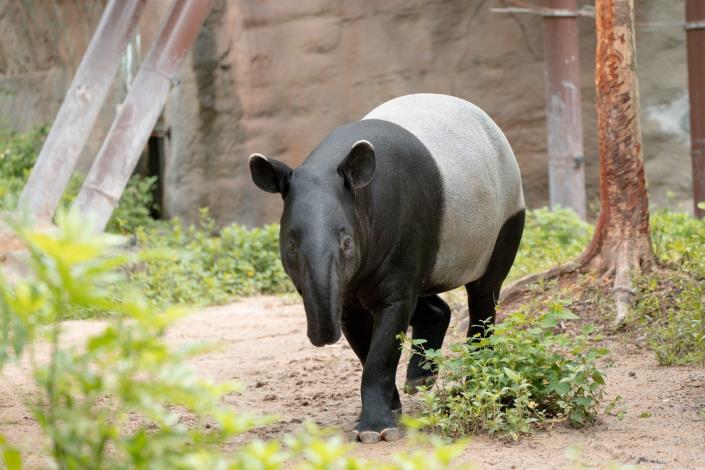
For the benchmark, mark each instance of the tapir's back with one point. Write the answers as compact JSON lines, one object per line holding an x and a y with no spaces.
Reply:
{"x":480,"y":175}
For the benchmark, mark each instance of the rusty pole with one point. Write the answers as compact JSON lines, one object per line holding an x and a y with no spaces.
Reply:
{"x":140,"y":110}
{"x":695,"y":36}
{"x":79,"y":110}
{"x":566,"y":163}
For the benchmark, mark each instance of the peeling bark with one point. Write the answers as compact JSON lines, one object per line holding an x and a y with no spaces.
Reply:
{"x":622,"y":241}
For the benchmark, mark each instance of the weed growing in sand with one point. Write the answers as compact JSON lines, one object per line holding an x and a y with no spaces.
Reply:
{"x":522,"y":376}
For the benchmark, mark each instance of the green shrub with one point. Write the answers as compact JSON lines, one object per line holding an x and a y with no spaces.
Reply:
{"x":126,"y":398}
{"x":210,"y":267}
{"x":135,"y":207}
{"x":551,"y":237}
{"x":520,"y":377}
{"x":120,"y":400}
{"x":19,"y":152}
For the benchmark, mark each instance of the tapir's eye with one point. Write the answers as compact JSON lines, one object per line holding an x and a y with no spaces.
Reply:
{"x":290,"y":246}
{"x":346,"y":243}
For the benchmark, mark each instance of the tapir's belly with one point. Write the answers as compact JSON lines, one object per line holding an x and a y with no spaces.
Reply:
{"x":480,"y":177}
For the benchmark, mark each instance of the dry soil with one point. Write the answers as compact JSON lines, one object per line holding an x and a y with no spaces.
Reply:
{"x":263,"y":345}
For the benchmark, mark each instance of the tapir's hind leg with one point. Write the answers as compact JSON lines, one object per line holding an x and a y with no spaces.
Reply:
{"x":357,"y":324}
{"x":429,"y":322}
{"x":484,"y":292}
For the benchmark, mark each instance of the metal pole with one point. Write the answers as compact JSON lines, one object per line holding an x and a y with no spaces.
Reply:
{"x":695,"y":37}
{"x":140,"y":110}
{"x":566,"y":163}
{"x":79,"y":110}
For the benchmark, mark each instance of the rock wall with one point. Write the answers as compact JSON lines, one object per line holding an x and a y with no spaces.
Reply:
{"x":275,"y":77}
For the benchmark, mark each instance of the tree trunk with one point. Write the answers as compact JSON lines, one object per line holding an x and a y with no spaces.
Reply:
{"x":622,"y":242}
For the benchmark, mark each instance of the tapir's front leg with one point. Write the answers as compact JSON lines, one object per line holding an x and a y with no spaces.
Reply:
{"x":379,"y":374}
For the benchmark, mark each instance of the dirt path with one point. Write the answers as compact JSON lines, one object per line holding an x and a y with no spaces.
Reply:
{"x":264,"y":346}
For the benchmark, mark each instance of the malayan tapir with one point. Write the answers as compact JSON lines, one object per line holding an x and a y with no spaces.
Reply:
{"x":421,"y":196}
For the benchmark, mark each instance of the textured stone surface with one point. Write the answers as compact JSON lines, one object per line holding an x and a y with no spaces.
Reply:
{"x":41,"y":46}
{"x":275,"y":77}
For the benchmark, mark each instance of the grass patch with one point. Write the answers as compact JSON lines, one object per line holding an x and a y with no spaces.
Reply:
{"x":550,"y":238}
{"x":670,"y":304}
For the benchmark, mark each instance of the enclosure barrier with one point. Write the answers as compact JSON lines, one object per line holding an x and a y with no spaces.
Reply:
{"x":566,"y":163}
{"x":695,"y":37}
{"x":139,"y":111}
{"x":564,"y":122}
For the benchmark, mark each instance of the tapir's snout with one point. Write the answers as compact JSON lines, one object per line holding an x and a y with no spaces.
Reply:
{"x":320,"y":340}
{"x":322,"y":301}
{"x":323,"y":323}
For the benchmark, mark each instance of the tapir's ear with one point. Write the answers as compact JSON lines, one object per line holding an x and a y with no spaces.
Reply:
{"x":269,"y":174}
{"x":358,"y":167}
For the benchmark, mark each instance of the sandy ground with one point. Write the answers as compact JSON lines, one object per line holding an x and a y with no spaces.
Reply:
{"x":264,"y":346}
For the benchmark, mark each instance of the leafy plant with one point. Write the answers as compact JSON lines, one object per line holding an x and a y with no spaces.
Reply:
{"x":520,"y":377}
{"x":18,"y":152}
{"x":135,"y":207}
{"x":670,"y":306}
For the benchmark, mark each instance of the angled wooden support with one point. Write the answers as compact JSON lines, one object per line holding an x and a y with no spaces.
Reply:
{"x":139,"y":111}
{"x":79,"y":111}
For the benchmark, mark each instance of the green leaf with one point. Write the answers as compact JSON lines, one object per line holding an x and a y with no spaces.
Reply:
{"x":12,"y":459}
{"x":560,"y":388}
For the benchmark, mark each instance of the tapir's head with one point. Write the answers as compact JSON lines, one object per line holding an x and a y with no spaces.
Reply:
{"x":320,"y":239}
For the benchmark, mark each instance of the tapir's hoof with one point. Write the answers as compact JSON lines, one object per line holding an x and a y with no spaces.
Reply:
{"x":369,"y":437}
{"x":373,"y":437}
{"x":391,"y":434}
{"x":412,"y":386}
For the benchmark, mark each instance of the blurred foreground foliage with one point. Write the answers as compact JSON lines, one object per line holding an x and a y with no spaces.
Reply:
{"x":125,"y":398}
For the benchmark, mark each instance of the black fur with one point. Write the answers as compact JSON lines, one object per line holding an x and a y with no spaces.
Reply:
{"x":429,"y":322}
{"x":484,"y":292}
